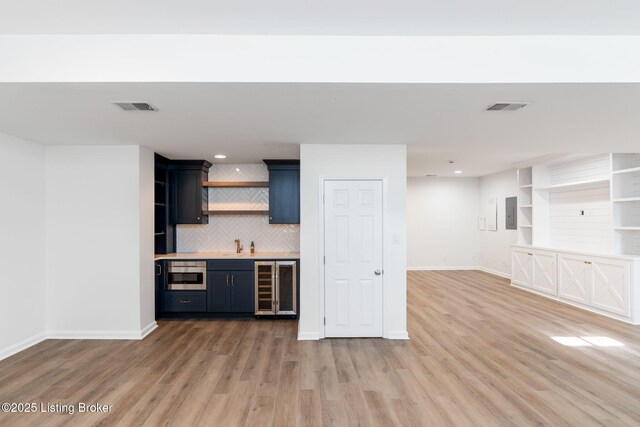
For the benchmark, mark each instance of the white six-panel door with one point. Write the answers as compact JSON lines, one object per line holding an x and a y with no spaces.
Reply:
{"x":353,"y":258}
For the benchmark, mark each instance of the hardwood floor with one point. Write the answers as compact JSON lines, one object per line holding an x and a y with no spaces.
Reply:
{"x":480,"y":354}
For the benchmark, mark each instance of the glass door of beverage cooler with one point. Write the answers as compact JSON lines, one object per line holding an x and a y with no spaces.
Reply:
{"x":286,"y":287}
{"x":265,"y":280}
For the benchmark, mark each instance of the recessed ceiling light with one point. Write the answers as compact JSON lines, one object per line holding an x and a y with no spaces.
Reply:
{"x":458,"y":172}
{"x":220,"y":156}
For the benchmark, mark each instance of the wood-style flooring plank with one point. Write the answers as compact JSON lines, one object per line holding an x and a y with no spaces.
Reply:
{"x":481,"y":353}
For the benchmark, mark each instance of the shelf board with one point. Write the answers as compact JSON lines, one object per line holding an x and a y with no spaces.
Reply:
{"x":526,"y":186}
{"x":526,"y":226}
{"x":572,"y":184}
{"x":627,"y":199}
{"x":629,"y":170}
{"x":526,"y":206}
{"x":237,"y":212}
{"x":235,"y":184}
{"x":627,"y":228}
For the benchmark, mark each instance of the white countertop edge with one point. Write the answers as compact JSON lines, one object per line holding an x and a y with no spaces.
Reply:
{"x":228,"y":255}
{"x":585,"y":253}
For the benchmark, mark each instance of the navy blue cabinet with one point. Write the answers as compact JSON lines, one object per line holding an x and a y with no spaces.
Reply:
{"x":188,"y":197}
{"x":230,"y":286}
{"x":230,"y":292}
{"x":219,"y":291}
{"x":284,"y":191}
{"x":165,"y":238}
{"x":242,"y":295}
{"x":185,"y":301}
{"x":160,"y":284}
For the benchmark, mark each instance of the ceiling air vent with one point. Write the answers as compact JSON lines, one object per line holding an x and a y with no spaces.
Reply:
{"x":134,"y":106}
{"x":507,"y":106}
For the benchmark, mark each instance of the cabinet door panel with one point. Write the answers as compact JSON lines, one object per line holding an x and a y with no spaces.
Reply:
{"x":242,"y":296}
{"x":284,"y":197}
{"x":610,"y":283}
{"x":188,"y":197}
{"x":573,"y":283}
{"x":286,"y":287}
{"x":218,"y":291}
{"x":521,"y":266}
{"x":545,"y":272}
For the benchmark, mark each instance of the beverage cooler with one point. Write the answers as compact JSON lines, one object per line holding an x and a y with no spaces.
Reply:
{"x":276,"y":288}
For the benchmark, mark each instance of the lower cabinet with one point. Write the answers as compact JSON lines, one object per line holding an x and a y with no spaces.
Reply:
{"x":230,"y":291}
{"x":535,"y":269}
{"x":185,"y":301}
{"x":596,"y":283}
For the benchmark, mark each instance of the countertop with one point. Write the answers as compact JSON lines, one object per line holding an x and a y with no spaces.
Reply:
{"x":230,"y":255}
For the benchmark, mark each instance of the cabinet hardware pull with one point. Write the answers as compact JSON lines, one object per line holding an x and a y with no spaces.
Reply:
{"x":158,"y":269}
{"x":233,"y":280}
{"x":227,"y":280}
{"x":185,"y":301}
{"x":529,"y":254}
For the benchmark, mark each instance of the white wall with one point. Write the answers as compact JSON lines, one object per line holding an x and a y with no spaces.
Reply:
{"x":387,"y":162}
{"x":442,"y":222}
{"x":146,"y":198}
{"x":495,"y":246}
{"x":212,"y":58}
{"x":99,"y":249}
{"x":22,"y":242}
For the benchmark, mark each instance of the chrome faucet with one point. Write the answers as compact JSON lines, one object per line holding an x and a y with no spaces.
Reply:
{"x":239,"y":247}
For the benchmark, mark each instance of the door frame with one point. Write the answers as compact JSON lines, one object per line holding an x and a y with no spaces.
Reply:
{"x":321,"y":246}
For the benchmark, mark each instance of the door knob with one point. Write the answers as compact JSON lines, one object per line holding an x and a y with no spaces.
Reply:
{"x":378,"y":272}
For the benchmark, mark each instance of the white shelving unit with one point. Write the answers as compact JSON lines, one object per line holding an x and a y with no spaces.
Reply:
{"x":625,"y":187}
{"x":586,"y":202}
{"x":579,"y":232}
{"x":525,"y":206}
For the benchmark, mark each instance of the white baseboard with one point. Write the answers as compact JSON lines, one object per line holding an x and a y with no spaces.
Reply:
{"x":308,"y":336}
{"x":148,"y":329}
{"x":443,"y":268}
{"x":397,"y":335}
{"x":495,"y":273}
{"x":22,"y":345}
{"x":96,"y":335}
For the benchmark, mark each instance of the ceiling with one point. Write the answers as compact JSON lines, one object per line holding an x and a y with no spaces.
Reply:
{"x":327,"y":17}
{"x":250,"y":122}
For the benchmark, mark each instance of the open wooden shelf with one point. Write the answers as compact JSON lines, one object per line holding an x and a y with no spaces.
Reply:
{"x":235,"y":184}
{"x":627,"y":228}
{"x":237,"y":212}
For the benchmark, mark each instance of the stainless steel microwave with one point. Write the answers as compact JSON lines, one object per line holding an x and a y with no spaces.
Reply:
{"x":187,"y":275}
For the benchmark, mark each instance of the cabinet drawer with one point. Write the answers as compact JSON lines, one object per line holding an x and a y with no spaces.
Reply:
{"x":185,"y":301}
{"x":231,"y":264}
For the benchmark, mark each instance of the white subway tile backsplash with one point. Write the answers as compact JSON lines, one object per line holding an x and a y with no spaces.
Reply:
{"x":222,"y":230}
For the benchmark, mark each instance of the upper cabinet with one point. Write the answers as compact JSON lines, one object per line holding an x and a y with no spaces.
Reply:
{"x":165,"y":240}
{"x":189,"y":199}
{"x":284,"y":191}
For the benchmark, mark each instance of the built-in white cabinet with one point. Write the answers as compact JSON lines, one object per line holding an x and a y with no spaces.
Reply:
{"x":581,"y":202}
{"x":573,"y":278}
{"x":610,"y":285}
{"x":535,"y":269}
{"x":597,"y":283}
